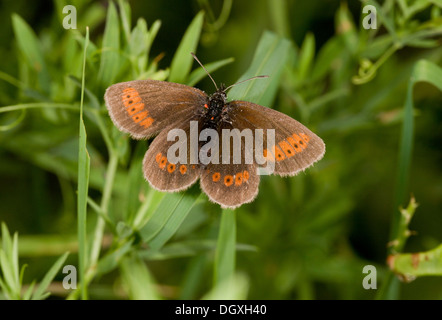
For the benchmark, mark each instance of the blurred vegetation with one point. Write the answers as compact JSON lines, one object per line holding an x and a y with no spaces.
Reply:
{"x":373,"y":96}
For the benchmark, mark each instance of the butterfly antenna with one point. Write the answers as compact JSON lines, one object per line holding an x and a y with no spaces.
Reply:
{"x":257,"y":77}
{"x":194,"y":56}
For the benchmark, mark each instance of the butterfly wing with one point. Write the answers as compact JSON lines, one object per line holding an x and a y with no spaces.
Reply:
{"x":144,"y":107}
{"x":295,"y":147}
{"x":164,"y":173}
{"x":230,"y":184}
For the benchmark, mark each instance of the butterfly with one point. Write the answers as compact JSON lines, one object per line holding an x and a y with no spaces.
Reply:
{"x":145,"y":108}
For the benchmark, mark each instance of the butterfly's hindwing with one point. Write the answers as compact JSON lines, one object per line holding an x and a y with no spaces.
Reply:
{"x":165,"y":174}
{"x":230,"y":184}
{"x":144,"y":107}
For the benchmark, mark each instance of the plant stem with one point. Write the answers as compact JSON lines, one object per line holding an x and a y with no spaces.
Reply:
{"x":107,"y":192}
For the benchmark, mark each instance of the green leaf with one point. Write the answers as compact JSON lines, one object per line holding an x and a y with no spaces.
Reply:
{"x":189,"y":248}
{"x":110,"y":56}
{"x":152,"y":200}
{"x":306,"y":56}
{"x":134,"y":182}
{"x":138,"y":279}
{"x":112,"y":259}
{"x":125,"y":17}
{"x":31,"y":50}
{"x":39,"y":293}
{"x":270,"y":59}
{"x":412,"y":265}
{"x":182,"y":60}
{"x":14,"y":123}
{"x":346,"y":29}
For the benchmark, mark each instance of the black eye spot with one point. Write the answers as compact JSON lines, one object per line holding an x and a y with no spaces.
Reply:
{"x":130,"y":102}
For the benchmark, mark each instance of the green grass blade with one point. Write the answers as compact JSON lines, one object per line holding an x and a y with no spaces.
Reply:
{"x":234,"y":288}
{"x":160,"y":216}
{"x":423,"y":71}
{"x":83,"y":183}
{"x":225,"y":255}
{"x":167,"y":218}
{"x":39,"y":293}
{"x":28,"y":293}
{"x":9,"y":264}
{"x":110,"y":56}
{"x":270,"y":59}
{"x":173,"y":223}
{"x":182,"y":60}
{"x":199,"y":73}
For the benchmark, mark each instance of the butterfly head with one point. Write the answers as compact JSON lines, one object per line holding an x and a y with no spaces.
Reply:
{"x":220,"y":96}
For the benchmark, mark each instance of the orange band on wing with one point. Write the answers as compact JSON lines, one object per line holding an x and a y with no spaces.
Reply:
{"x":294,"y":144}
{"x":305,"y":137}
{"x":135,"y":107}
{"x":279,"y":155}
{"x":288,"y":150}
{"x":299,"y":140}
{"x":287,"y":147}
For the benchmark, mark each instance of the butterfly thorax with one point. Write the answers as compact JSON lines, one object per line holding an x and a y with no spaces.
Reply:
{"x":215,"y":110}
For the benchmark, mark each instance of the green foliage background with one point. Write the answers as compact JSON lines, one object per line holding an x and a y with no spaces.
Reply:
{"x":373,"y":96}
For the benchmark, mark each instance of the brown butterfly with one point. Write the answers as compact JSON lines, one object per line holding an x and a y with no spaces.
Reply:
{"x":144,"y":108}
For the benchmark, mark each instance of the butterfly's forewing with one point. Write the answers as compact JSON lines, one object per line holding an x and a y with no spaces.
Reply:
{"x":230,"y":185}
{"x":295,"y":148}
{"x":144,"y":107}
{"x":166,"y":174}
